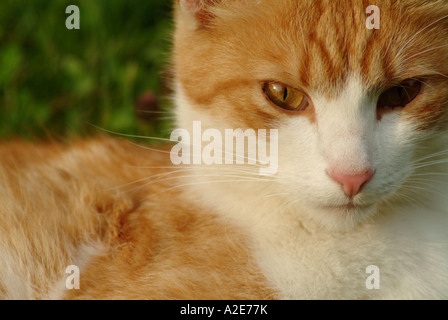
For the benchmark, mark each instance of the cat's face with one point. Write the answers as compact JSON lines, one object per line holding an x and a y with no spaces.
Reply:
{"x":354,"y":106}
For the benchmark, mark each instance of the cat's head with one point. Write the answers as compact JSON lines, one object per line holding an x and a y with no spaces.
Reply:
{"x":356,"y":107}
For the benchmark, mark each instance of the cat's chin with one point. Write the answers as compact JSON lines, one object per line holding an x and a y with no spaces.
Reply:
{"x":342,"y":217}
{"x":348,"y":208}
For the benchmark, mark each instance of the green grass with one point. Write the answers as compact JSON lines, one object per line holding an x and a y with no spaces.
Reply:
{"x":58,"y":82}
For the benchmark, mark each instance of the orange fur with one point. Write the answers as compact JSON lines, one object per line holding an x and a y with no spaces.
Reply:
{"x":55,"y":198}
{"x":151,"y":237}
{"x":249,"y":43}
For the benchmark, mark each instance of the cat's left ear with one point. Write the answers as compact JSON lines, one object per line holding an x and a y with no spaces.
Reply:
{"x":199,"y":10}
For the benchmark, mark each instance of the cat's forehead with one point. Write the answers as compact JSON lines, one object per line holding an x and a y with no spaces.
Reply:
{"x":323,"y":42}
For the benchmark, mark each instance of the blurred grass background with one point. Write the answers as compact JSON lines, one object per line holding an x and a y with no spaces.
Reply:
{"x":56,"y":82}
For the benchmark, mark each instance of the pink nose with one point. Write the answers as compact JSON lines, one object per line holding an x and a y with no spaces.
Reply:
{"x":351,"y":183}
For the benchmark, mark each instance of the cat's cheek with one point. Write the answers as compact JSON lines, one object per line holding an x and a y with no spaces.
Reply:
{"x":301,"y":170}
{"x":395,"y":145}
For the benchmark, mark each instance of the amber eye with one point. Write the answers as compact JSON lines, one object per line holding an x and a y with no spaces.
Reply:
{"x":285,"y":97}
{"x":399,"y":96}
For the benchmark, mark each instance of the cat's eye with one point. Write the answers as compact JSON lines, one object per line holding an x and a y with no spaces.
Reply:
{"x":285,"y":97}
{"x":399,"y":96}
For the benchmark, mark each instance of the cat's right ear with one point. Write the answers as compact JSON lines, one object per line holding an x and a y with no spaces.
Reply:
{"x":199,"y":11}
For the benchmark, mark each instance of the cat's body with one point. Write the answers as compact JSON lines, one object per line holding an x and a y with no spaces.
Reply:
{"x":127,"y":243}
{"x":360,"y":185}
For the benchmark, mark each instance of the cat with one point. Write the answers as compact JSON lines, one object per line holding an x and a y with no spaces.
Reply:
{"x":356,"y":210}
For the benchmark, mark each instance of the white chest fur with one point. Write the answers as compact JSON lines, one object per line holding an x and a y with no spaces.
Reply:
{"x":408,"y":252}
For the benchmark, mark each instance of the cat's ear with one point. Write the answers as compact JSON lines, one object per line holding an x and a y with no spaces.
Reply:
{"x":199,"y":10}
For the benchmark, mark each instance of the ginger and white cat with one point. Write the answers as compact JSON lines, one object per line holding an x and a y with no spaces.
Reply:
{"x":362,"y":168}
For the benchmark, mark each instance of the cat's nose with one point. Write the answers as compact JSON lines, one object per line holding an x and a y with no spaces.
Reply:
{"x":351,"y":183}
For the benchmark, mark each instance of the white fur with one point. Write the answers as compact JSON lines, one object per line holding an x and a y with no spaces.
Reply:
{"x":18,"y":279}
{"x":81,"y":258}
{"x":304,"y":244}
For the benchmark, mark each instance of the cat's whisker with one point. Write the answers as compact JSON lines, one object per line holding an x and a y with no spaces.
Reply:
{"x":413,"y":186}
{"x":234,"y":155}
{"x":130,"y":135}
{"x":206,"y":182}
{"x":402,"y":193}
{"x":437,"y":72}
{"x":408,"y":198}
{"x":430,"y":173}
{"x":420,"y":53}
{"x":430,"y":163}
{"x":156,"y":167}
{"x":397,"y":195}
{"x":432,"y":155}
{"x":145,"y":179}
{"x":165,"y":178}
{"x":179,"y":169}
{"x":393,"y":34}
{"x":231,"y":168}
{"x":424,"y":82}
{"x":270,"y":195}
{"x":438,"y":156}
{"x":194,"y":167}
{"x":423,"y":165}
{"x":426,"y":180}
{"x":413,"y":37}
{"x":148,"y":148}
{"x":301,"y":29}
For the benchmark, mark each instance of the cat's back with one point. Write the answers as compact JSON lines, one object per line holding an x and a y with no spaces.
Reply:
{"x":117,"y":212}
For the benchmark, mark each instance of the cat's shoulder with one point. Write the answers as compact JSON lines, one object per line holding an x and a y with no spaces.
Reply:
{"x":81,"y":162}
{"x":117,"y":210}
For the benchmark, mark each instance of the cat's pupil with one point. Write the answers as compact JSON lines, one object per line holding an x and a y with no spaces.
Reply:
{"x":285,"y":94}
